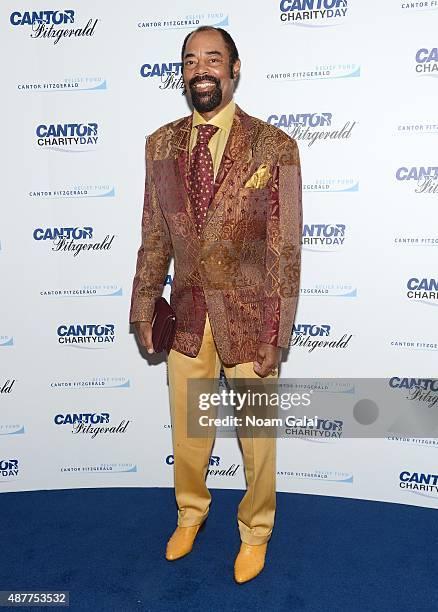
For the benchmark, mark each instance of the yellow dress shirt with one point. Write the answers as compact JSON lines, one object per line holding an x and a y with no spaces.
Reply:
{"x":223,"y":120}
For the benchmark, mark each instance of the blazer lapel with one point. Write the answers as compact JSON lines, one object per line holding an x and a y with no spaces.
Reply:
{"x":235,"y":159}
{"x":179,"y":144}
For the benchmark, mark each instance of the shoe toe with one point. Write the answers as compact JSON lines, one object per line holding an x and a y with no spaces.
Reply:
{"x":181,"y":542}
{"x":249,"y":562}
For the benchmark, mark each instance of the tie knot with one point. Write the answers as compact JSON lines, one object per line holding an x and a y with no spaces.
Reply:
{"x":205,"y":132}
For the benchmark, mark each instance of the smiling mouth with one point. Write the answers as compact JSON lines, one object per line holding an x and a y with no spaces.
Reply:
{"x":204,"y":86}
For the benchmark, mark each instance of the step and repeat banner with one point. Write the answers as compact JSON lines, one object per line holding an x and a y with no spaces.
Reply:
{"x":355,"y":83}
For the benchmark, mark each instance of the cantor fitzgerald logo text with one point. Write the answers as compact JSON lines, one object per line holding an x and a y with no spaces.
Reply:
{"x":418,"y":126}
{"x":418,"y":390}
{"x":73,"y":192}
{"x":418,"y":5}
{"x":52,"y":24}
{"x":7,"y":385}
{"x":105,"y":468}
{"x":169,"y":75}
{"x":316,"y":72}
{"x":95,"y":382}
{"x":419,"y":482}
{"x":67,"y":136}
{"x":311,"y":337}
{"x":89,"y":335}
{"x":86,"y":418}
{"x":415,"y":241}
{"x":424,"y":177}
{"x":426,"y":62}
{"x":183,"y":22}
{"x":73,"y":239}
{"x":91,"y":423}
{"x":422,"y":289}
{"x":82,"y":83}
{"x":424,"y":442}
{"x":414,"y":344}
{"x":215,"y":468}
{"x":47,"y":17}
{"x":312,"y":127}
{"x":316,"y":13}
{"x":331,"y":185}
{"x":85,"y":291}
{"x":329,"y":289}
{"x":326,"y":475}
{"x":426,"y":384}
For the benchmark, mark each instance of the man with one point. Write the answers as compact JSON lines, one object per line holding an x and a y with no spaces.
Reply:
{"x":223,"y":197}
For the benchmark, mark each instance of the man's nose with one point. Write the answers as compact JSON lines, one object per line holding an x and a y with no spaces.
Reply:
{"x":201,"y":68}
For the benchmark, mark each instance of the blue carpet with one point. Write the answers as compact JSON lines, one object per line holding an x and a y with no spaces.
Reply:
{"x":106,"y":546}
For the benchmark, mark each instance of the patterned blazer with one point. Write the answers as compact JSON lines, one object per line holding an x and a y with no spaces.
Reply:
{"x":244,"y":268}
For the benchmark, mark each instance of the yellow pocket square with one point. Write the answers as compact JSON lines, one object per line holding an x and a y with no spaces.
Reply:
{"x":260,"y":177}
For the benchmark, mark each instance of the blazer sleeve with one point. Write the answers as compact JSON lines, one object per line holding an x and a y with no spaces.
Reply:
{"x":154,"y":253}
{"x":283,"y":248}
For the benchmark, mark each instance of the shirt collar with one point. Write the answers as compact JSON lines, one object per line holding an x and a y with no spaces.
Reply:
{"x":223,"y":120}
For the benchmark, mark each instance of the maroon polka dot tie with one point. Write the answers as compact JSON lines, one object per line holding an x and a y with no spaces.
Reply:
{"x":201,"y":174}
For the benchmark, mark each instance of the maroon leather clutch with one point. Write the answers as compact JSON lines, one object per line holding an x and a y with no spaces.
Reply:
{"x":163,"y":326}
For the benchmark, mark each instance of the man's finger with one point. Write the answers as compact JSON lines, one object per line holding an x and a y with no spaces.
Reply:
{"x":262,"y":365}
{"x":144,"y":332}
{"x":148,"y":338}
{"x":257,"y":367}
{"x":261,"y":368}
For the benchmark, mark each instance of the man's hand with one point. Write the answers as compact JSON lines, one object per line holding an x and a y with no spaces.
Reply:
{"x":268,"y":357}
{"x":143,"y":330}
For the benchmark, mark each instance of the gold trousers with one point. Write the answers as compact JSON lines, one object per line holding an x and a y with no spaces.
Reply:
{"x":192,"y":455}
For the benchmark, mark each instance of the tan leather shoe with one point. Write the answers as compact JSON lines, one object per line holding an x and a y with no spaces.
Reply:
{"x":181,"y":542}
{"x":249,"y":562}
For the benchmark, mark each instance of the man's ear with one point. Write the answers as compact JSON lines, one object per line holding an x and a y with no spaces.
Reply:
{"x":236,"y":69}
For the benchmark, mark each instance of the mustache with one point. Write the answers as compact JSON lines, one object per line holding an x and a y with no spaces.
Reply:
{"x":203,"y":79}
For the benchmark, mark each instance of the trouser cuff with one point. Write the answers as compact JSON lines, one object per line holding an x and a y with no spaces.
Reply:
{"x":252,"y":539}
{"x":191,"y":521}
